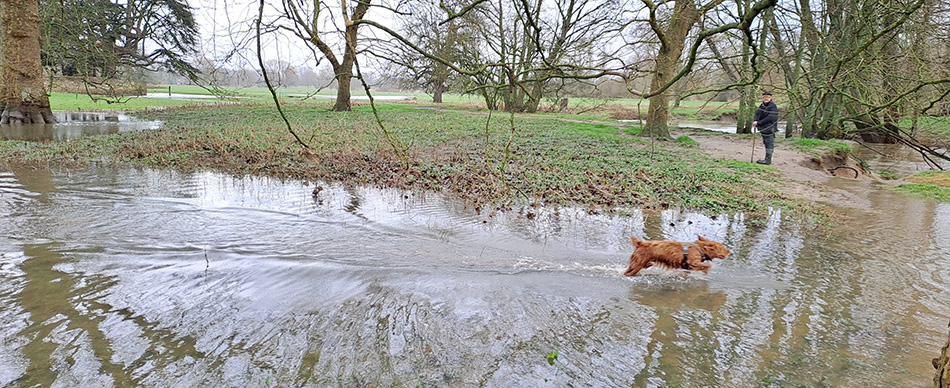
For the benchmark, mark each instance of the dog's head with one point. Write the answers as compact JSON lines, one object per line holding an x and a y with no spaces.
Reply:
{"x":713,"y":249}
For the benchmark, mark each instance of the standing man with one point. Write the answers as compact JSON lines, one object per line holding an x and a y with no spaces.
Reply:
{"x":766,"y":120}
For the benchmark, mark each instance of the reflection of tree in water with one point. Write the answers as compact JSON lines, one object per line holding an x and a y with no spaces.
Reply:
{"x":683,"y":343}
{"x":59,"y":333}
{"x":73,"y":336}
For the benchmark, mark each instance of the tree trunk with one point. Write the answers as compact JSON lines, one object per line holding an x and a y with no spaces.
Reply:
{"x":684,"y":16}
{"x":343,"y":78}
{"x":942,"y":363}
{"x":534,"y":98}
{"x":24,"y":98}
{"x":657,"y":117}
{"x":746,"y":113}
{"x":344,"y":71}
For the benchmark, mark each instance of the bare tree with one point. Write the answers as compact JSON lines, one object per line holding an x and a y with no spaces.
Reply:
{"x":422,"y":24}
{"x":862,"y":68}
{"x":332,"y":32}
{"x":531,"y":45}
{"x":671,"y":22}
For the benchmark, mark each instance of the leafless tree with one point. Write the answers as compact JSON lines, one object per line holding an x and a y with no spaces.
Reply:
{"x":329,"y":29}
{"x":671,"y":22}
{"x":867,"y":69}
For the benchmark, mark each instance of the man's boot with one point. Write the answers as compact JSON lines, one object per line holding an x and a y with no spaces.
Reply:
{"x":768,"y":157}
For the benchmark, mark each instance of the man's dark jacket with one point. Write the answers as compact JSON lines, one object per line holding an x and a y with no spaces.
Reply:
{"x":767,"y":118}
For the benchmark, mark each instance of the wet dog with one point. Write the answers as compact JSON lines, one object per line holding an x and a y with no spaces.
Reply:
{"x":694,"y":256}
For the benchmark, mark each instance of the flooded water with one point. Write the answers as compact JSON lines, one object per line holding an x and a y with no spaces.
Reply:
{"x":73,"y":125}
{"x":894,"y":158}
{"x":162,"y":279}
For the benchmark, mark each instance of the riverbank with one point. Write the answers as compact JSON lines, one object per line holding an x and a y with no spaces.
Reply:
{"x":539,"y":159}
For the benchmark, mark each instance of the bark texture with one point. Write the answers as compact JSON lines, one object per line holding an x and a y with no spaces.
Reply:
{"x":24,"y":98}
{"x":942,"y":363}
{"x":344,"y":69}
{"x":672,"y":43}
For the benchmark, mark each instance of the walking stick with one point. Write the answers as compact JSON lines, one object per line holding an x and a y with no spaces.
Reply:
{"x":752,"y":158}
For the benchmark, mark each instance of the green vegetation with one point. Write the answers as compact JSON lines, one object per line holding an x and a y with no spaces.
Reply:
{"x":928,"y":184}
{"x":687,"y":141}
{"x":929,"y":129}
{"x":548,"y":161}
{"x":887,"y":175}
{"x":937,"y":178}
{"x":578,"y":109}
{"x":938,"y":193}
{"x":82,"y":102}
{"x":818,"y":146}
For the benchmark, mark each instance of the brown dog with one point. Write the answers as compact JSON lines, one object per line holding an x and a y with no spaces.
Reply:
{"x":675,"y":255}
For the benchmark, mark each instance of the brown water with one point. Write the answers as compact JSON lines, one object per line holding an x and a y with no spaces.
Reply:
{"x":161,"y":279}
{"x":894,"y":158}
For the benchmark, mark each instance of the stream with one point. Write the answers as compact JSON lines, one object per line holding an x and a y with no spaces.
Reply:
{"x":153,"y":278}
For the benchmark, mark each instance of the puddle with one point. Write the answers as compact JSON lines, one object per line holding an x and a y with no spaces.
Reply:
{"x":73,"y":125}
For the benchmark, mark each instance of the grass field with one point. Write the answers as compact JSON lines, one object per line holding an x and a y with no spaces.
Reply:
{"x":578,"y":108}
{"x":459,"y":152}
{"x":455,"y":148}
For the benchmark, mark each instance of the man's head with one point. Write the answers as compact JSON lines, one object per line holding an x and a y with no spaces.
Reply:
{"x":766,"y":97}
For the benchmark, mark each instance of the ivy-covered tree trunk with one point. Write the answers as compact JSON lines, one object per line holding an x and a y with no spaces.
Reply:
{"x":746,"y":113}
{"x":23,"y":93}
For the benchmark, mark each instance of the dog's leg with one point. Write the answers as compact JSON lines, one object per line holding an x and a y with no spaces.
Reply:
{"x":695,"y":261}
{"x":637,"y":263}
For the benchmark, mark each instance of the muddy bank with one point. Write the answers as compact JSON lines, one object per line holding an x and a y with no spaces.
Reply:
{"x":807,"y":175}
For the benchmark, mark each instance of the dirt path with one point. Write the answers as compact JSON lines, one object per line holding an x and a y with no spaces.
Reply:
{"x":808,"y":178}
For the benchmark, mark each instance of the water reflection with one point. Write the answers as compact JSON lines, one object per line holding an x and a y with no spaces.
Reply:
{"x":159,"y":278}
{"x":893,"y":158}
{"x":73,"y":125}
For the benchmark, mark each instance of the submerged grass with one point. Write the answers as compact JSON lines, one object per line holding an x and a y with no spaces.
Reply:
{"x":549,"y":161}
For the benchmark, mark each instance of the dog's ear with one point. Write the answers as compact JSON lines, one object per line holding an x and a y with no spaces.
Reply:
{"x":634,"y":239}
{"x":701,"y":238}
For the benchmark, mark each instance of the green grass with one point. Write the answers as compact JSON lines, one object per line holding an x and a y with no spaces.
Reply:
{"x":598,"y":130}
{"x":938,"y":178}
{"x":934,"y":130}
{"x":687,"y":141}
{"x":934,"y":192}
{"x":818,"y":146}
{"x":934,"y":185}
{"x":82,"y":102}
{"x":579,"y":108}
{"x":548,"y":160}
